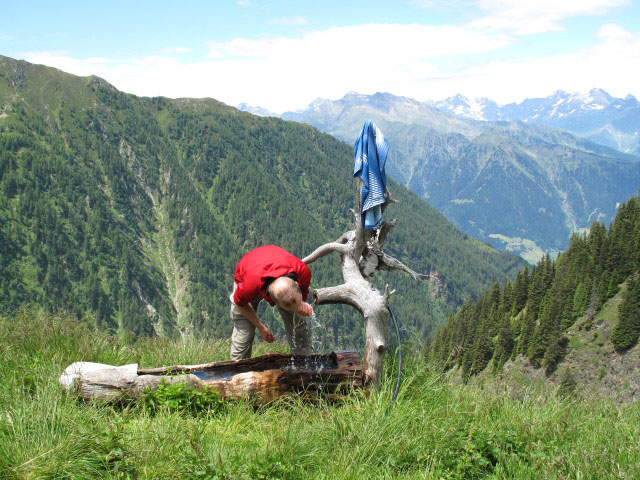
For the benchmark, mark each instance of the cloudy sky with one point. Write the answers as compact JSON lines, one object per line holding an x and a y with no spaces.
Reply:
{"x":281,"y":55}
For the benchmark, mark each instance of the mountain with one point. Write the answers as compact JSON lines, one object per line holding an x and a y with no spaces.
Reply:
{"x":577,"y":317}
{"x":518,"y":186}
{"x":596,"y":116}
{"x":132,"y":212}
{"x":261,"y":112}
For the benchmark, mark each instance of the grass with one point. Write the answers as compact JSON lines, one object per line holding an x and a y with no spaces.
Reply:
{"x":436,"y":429}
{"x":609,"y":311}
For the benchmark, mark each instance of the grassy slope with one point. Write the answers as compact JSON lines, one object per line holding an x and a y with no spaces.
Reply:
{"x":591,"y":360}
{"x":436,"y":429}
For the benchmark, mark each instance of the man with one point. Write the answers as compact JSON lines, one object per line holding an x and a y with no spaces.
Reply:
{"x":273,"y":274}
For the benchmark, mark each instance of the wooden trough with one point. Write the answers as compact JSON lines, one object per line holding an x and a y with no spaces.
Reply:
{"x":262,"y":379}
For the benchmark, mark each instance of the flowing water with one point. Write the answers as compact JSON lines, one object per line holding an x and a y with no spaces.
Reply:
{"x":309,"y":364}
{"x":314,"y":328}
{"x":315,"y":332}
{"x":214,"y":376}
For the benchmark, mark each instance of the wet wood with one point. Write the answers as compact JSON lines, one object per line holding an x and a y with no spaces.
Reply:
{"x":263,"y":378}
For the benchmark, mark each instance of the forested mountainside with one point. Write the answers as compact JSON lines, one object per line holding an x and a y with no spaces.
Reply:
{"x":531,"y":316}
{"x":520,"y":187}
{"x":132,"y":212}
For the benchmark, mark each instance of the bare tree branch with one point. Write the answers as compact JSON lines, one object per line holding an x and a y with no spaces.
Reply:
{"x":340,"y":245}
{"x":391,"y":263}
{"x":345,"y":293}
{"x":323,"y":250}
{"x":387,"y":293}
{"x":386,"y":228}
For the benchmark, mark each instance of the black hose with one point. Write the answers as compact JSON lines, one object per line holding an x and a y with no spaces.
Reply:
{"x":395,"y":393}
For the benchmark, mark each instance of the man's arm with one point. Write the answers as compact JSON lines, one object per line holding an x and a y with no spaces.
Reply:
{"x":249,"y":313}
{"x":242,"y":296}
{"x":304,"y":279}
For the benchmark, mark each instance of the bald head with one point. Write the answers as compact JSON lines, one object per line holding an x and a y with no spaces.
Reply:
{"x":286,"y":293}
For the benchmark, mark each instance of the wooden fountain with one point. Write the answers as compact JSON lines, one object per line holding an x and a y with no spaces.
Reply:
{"x":262,"y":378}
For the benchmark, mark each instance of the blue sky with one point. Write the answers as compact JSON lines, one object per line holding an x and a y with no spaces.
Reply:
{"x":283,"y":54}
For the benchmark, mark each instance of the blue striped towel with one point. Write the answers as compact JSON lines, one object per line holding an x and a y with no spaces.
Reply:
{"x":369,"y":158}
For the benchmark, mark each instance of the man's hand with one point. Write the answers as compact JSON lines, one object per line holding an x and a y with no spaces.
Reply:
{"x":266,"y":334}
{"x":305,"y":310}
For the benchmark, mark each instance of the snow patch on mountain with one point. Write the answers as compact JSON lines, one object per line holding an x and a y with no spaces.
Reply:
{"x":255,"y":110}
{"x":596,"y":115}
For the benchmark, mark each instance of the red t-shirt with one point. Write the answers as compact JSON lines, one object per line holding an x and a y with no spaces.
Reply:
{"x":264,"y":263}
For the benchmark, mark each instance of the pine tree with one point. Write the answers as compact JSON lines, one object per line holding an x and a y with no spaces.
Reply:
{"x":520,"y":291}
{"x":540,"y":282}
{"x":622,"y":238}
{"x":577,"y":283}
{"x":504,"y":344}
{"x":554,"y":354}
{"x":626,"y":332}
{"x":483,"y":351}
{"x":506,"y":299}
{"x":540,"y":339}
{"x":597,"y":245}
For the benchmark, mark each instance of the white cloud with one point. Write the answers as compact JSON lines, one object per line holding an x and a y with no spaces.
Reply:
{"x":243,"y":3}
{"x":357,"y":43}
{"x":62,"y":60}
{"x":294,"y":21}
{"x":612,"y":31}
{"x":613,"y":64}
{"x":287,"y":73}
{"x":528,"y":17}
{"x":5,"y":37}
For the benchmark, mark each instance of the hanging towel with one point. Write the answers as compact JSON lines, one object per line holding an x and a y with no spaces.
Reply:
{"x":369,"y":158}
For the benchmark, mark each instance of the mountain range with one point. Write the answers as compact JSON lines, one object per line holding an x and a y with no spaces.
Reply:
{"x":596,"y":116}
{"x":132,"y":212}
{"x":519,"y":186}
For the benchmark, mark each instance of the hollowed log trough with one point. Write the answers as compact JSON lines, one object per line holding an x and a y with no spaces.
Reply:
{"x":262,"y":379}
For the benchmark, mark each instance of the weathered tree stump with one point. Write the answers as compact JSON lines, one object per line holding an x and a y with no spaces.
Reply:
{"x":360,"y":256}
{"x":263,"y":378}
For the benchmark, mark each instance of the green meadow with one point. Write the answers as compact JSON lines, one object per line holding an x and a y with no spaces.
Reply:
{"x":437,"y":428}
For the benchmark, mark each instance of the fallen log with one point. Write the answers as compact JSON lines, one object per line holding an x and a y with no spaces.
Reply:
{"x":262,"y":379}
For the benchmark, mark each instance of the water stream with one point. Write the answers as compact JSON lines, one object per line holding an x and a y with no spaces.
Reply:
{"x":315,"y":332}
{"x":309,"y":364}
{"x":214,"y":376}
{"x":314,"y":329}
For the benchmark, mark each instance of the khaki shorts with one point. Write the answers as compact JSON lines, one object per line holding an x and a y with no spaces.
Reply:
{"x":295,"y":328}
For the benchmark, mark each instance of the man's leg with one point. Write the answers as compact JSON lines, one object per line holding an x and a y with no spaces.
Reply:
{"x":243,"y":331}
{"x":297,"y":333}
{"x":242,"y":336}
